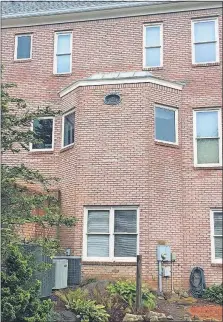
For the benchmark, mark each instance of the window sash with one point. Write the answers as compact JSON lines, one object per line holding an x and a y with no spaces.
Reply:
{"x":215,"y":41}
{"x":66,"y":53}
{"x":32,"y":129}
{"x":214,"y":236}
{"x":63,"y":145}
{"x":175,"y":110}
{"x":200,"y":138}
{"x":160,"y":46}
{"x":111,"y":235}
{"x":17,"y":44}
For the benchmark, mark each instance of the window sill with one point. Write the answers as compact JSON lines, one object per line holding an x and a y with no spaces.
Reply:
{"x":208,"y":168}
{"x":153,"y":68}
{"x":114,"y":263}
{"x":67,"y":148}
{"x":206,"y":64}
{"x":216,"y":264}
{"x":63,"y":75}
{"x":170,"y":145}
{"x":41,"y":152}
{"x":28,"y":60}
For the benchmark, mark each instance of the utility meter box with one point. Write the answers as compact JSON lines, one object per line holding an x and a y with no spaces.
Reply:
{"x":166,"y":271}
{"x":163,"y":253}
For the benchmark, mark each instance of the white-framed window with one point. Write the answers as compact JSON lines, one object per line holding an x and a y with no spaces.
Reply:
{"x":23,"y":47}
{"x":68,"y":128}
{"x":63,"y":52}
{"x":207,"y":137}
{"x":216,"y":235}
{"x":43,"y":128}
{"x":166,"y":124}
{"x":205,"y":41}
{"x":153,"y":45}
{"x":111,"y":234}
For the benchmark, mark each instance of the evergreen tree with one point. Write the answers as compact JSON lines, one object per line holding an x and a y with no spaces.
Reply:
{"x":20,"y":294}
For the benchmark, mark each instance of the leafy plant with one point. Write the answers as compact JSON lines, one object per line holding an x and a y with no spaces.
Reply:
{"x":88,"y":310}
{"x":20,"y":295}
{"x":114,"y":304}
{"x":214,"y":293}
{"x":20,"y":290}
{"x":70,"y":296}
{"x":127,"y":290}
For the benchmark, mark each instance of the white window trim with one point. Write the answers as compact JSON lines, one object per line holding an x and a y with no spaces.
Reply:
{"x":205,"y":165}
{"x":16,"y":46}
{"x":176,"y":123}
{"x":144,"y":44}
{"x":56,"y":34}
{"x":216,"y":40}
{"x":111,"y":240}
{"x":39,"y":150}
{"x":63,"y":118}
{"x":213,"y":259}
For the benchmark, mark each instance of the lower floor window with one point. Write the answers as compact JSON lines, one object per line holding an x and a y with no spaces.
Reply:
{"x":217,"y":238}
{"x":43,"y":129}
{"x":110,"y":233}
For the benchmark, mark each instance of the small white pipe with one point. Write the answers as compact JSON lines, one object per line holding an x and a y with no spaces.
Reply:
{"x":160,"y":277}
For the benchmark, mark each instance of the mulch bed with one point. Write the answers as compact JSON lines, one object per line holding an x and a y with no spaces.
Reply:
{"x":207,"y":312}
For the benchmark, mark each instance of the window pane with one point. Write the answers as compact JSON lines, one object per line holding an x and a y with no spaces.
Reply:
{"x":153,"y":57}
{"x":69,"y":129}
{"x":125,"y":246}
{"x":125,"y":221}
{"x":24,"y":47}
{"x":207,"y":124}
{"x":63,"y":44}
{"x":97,"y":246}
{"x":165,"y":125}
{"x":207,"y":151}
{"x":205,"y":53}
{"x":43,"y":130}
{"x":63,"y":64}
{"x":218,"y":247}
{"x":98,"y":221}
{"x":153,"y":36}
{"x":218,"y":223}
{"x":204,"y":31}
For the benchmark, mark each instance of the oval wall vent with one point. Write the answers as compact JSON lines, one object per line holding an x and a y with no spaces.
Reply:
{"x":112,"y":99}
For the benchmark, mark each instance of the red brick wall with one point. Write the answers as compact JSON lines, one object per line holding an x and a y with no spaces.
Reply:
{"x":115,"y":160}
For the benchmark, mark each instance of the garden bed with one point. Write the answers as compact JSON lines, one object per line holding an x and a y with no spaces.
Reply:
{"x":175,"y":307}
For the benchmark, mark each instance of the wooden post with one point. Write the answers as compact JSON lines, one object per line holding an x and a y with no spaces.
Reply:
{"x":139,"y":282}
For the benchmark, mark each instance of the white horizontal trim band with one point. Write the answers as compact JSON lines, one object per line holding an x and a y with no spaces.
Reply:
{"x":133,"y":80}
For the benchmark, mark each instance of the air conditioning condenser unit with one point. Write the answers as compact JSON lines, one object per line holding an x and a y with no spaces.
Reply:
{"x":61,"y":272}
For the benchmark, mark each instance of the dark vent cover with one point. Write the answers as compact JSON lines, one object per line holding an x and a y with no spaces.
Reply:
{"x":112,"y":99}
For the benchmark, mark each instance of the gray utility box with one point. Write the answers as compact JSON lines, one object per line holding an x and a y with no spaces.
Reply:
{"x":163,"y":253}
{"x":47,"y":276}
{"x":74,"y":269}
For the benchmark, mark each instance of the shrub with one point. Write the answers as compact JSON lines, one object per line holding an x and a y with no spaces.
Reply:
{"x":70,"y":296}
{"x":87,"y":309}
{"x":20,"y":294}
{"x":127,"y":290}
{"x":114,"y":304}
{"x":214,"y":293}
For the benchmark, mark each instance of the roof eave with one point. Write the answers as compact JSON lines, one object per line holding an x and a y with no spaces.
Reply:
{"x":74,"y":16}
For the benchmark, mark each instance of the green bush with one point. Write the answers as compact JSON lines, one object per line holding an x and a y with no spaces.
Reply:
{"x":20,"y":294}
{"x":214,"y":293}
{"x":127,"y":290}
{"x":87,"y":309}
{"x":114,"y":304}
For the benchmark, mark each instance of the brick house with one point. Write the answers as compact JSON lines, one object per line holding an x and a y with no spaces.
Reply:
{"x":138,"y":148}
